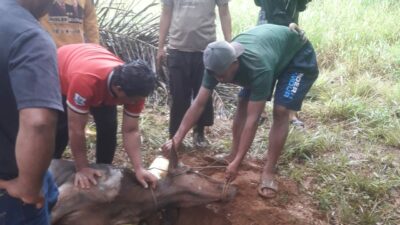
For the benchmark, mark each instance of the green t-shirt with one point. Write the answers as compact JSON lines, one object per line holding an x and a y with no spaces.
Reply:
{"x":268,"y":50}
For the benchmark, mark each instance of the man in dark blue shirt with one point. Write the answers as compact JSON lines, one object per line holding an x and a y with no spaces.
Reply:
{"x":30,"y":97}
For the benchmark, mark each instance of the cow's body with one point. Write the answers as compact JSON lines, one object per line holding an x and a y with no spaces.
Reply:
{"x":119,"y":199}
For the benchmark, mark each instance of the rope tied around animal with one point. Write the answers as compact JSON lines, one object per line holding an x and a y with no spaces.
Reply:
{"x":173,"y":172}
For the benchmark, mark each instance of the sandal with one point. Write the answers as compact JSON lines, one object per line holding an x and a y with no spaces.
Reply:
{"x":218,"y":158}
{"x":269,"y":184}
{"x":297,"y":123}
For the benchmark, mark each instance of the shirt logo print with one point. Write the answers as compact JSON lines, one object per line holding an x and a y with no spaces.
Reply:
{"x":79,"y":100}
{"x":293,"y":85}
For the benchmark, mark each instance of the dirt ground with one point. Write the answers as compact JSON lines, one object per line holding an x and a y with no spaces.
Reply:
{"x":290,"y":207}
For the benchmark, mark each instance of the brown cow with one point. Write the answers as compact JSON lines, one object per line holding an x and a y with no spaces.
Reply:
{"x":119,"y":199}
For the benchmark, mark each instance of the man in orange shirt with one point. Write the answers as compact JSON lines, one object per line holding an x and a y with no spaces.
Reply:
{"x":75,"y":22}
{"x":72,"y":22}
{"x":91,"y":76}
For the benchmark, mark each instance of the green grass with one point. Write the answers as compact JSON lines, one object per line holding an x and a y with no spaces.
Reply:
{"x":351,"y":143}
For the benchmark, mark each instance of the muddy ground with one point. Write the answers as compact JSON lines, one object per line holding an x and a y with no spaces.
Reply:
{"x":290,"y":207}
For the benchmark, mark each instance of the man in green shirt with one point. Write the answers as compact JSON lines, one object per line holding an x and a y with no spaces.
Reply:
{"x":256,"y":60}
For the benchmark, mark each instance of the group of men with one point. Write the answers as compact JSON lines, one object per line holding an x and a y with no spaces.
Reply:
{"x":50,"y":84}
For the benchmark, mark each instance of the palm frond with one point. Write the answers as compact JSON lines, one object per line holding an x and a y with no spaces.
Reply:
{"x":130,"y":30}
{"x":225,"y":100}
{"x":133,"y":19}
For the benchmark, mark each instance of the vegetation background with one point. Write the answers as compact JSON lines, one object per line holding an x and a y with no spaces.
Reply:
{"x":348,"y":156}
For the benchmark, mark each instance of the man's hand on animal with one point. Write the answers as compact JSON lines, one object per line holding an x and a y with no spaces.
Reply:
{"x":232,"y":171}
{"x":86,"y":177}
{"x":295,"y":28}
{"x":166,"y":148}
{"x":17,"y":189}
{"x":145,"y":178}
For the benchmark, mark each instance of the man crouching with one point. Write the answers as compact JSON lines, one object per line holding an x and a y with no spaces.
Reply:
{"x":260,"y":60}
{"x":92,"y":77}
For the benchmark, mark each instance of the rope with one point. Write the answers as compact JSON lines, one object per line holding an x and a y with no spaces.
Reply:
{"x":154,"y":168}
{"x":208,"y":167}
{"x":190,"y":170}
{"x":225,"y":188}
{"x":154,"y":198}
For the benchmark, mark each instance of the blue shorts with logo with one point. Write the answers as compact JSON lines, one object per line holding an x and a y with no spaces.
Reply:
{"x":295,"y":81}
{"x":14,"y":212}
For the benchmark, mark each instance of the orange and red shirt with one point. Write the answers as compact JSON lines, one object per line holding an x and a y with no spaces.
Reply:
{"x":85,"y":73}
{"x":71,"y":21}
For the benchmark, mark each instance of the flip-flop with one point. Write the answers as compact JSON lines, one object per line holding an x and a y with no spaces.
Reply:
{"x":269,"y":184}
{"x":218,"y":158}
{"x":297,"y":123}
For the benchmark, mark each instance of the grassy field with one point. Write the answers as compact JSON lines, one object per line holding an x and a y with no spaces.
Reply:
{"x":350,"y":148}
{"x":351,"y":145}
{"x":349,"y":153}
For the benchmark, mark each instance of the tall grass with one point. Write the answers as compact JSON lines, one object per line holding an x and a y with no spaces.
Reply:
{"x":352,"y":140}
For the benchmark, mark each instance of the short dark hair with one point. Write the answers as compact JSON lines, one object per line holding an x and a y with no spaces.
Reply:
{"x":135,"y":78}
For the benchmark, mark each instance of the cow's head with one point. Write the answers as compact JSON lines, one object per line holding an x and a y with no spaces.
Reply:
{"x":190,"y":187}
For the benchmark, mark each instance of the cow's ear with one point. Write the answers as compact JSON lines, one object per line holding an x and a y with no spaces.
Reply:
{"x":173,"y":158}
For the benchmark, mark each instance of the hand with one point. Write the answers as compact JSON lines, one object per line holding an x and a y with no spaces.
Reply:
{"x":86,"y":176}
{"x":295,"y":28}
{"x":145,"y":178}
{"x":16,"y":189}
{"x":166,"y":148}
{"x":231,"y":171}
{"x":160,"y":57}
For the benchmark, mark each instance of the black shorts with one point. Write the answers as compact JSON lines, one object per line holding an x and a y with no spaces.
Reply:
{"x":295,"y":81}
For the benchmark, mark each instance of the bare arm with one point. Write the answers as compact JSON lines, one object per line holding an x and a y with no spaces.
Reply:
{"x":192,"y":115}
{"x":131,"y":139}
{"x":254,"y":110}
{"x":90,"y":25}
{"x":35,"y":145}
{"x":85,"y":176}
{"x":226,"y":23}
{"x":239,"y":121}
{"x":165,"y":22}
{"x":77,"y":139}
{"x":34,"y":150}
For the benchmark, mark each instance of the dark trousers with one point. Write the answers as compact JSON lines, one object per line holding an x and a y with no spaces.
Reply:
{"x":105,"y":118}
{"x":14,"y":212}
{"x":185,"y":76}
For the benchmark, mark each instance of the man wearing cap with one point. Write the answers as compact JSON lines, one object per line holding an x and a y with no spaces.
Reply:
{"x":91,"y":76}
{"x":255,"y":60}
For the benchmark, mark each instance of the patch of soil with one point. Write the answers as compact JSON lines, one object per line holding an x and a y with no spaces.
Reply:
{"x":290,"y":207}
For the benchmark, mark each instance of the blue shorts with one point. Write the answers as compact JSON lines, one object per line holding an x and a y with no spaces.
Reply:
{"x":295,"y":81}
{"x":14,"y":212}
